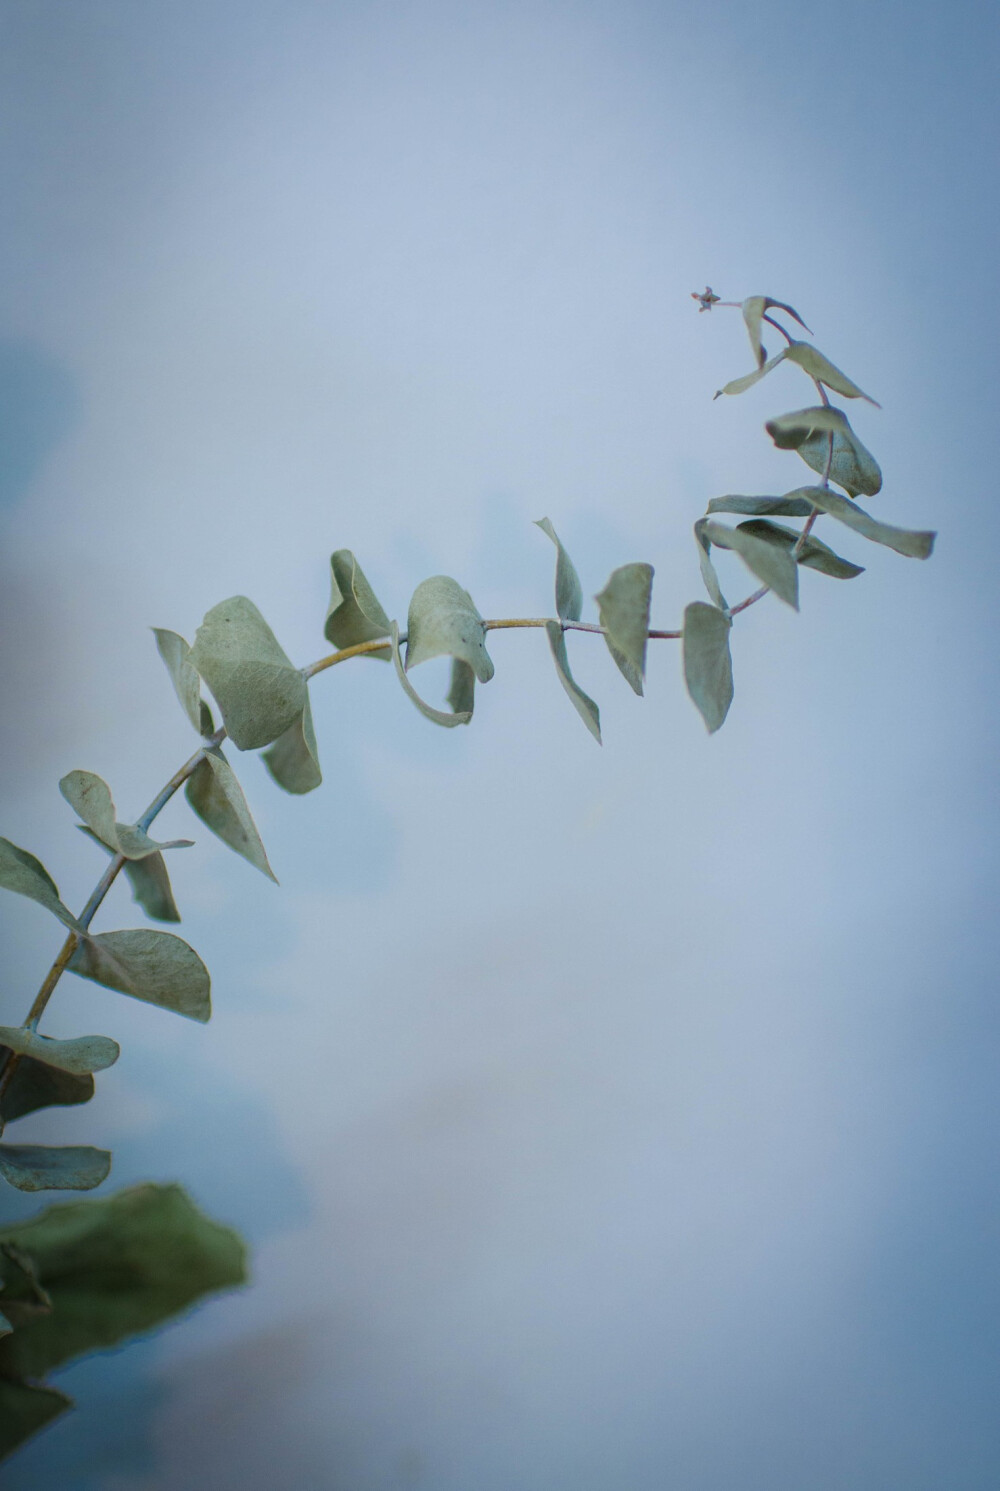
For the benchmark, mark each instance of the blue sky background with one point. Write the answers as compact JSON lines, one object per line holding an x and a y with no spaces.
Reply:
{"x":619,"y":1117}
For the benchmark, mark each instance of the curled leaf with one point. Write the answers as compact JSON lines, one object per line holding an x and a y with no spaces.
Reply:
{"x":176,"y":654}
{"x":256,"y":686}
{"x":27,"y":876}
{"x":443,"y":622}
{"x":772,"y":566}
{"x":624,"y":610}
{"x":708,"y":666}
{"x":90,"y":796}
{"x":354,"y":614}
{"x":215,"y":794}
{"x":569,"y":591}
{"x":156,"y":967}
{"x":582,"y":703}
{"x":80,"y":1056}
{"x":814,"y":554}
{"x":39,"y":1167}
{"x":754,"y":308}
{"x":915,"y":544}
{"x":460,"y":694}
{"x":808,"y":431}
{"x":293,"y":760}
{"x":791,"y":506}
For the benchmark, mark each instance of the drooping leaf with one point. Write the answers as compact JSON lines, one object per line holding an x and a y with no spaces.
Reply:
{"x":34,"y":1086}
{"x":153,"y":966}
{"x":813,"y":553}
{"x":569,"y":591}
{"x":808,"y":431}
{"x":915,"y":544}
{"x":23,"y":873}
{"x":753,"y":314}
{"x":708,"y":573}
{"x":115,"y":1267}
{"x":772,"y":566}
{"x":443,"y":622}
{"x":256,"y":686}
{"x":461,"y":692}
{"x":40,"y":1167}
{"x":582,"y":703}
{"x":708,"y":666}
{"x":176,"y":654}
{"x":81,"y":1055}
{"x":740,"y":385}
{"x":217,"y":797}
{"x":293,"y":760}
{"x":354,"y":614}
{"x":25,"y":1408}
{"x":90,"y":796}
{"x":791,"y":506}
{"x":149,"y":881}
{"x":823,"y":371}
{"x":624,"y":610}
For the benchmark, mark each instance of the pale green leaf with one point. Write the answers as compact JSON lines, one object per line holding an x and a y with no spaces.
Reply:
{"x":772,"y":566}
{"x":354,"y":614}
{"x":582,"y":703}
{"x":915,"y":544}
{"x":753,"y":314}
{"x":462,"y":694}
{"x":80,"y":1056}
{"x":90,"y":796}
{"x":823,"y":371}
{"x":708,"y":667}
{"x":808,"y":431}
{"x":293,"y":760}
{"x":624,"y":610}
{"x":256,"y":686}
{"x":740,"y":385}
{"x":708,"y":573}
{"x":115,"y":1267}
{"x":217,"y":797}
{"x":791,"y":506}
{"x":813,"y":553}
{"x":23,"y":873}
{"x":35,"y":1086}
{"x":156,"y":967}
{"x":443,"y":622}
{"x":39,"y":1167}
{"x":569,"y":591}
{"x":176,"y":654}
{"x":149,"y":881}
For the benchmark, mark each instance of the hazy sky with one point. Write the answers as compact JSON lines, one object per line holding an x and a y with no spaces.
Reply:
{"x":617,"y":1117}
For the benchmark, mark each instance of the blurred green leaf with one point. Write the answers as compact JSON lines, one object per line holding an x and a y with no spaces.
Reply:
{"x":354,"y":614}
{"x":808,"y":431}
{"x":708,"y":573}
{"x":156,"y":967}
{"x":814,"y":554}
{"x":569,"y":591}
{"x":149,"y":881}
{"x":791,"y":506}
{"x":80,"y":1056}
{"x":582,"y":703}
{"x":256,"y":686}
{"x":23,"y":873}
{"x":708,"y":667}
{"x":24,"y":1409}
{"x":90,"y":796}
{"x":740,"y":385}
{"x":114,"y":1268}
{"x":624,"y":610}
{"x":753,"y":314}
{"x":823,"y":371}
{"x":772,"y":566}
{"x":176,"y":654}
{"x":293,"y":760}
{"x":915,"y":544}
{"x":462,"y":694}
{"x":39,"y":1167}
{"x":443,"y":622}
{"x":217,"y":797}
{"x":34,"y":1086}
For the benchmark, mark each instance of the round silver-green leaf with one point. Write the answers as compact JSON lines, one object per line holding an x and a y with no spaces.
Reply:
{"x":156,"y":967}
{"x":256,"y":686}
